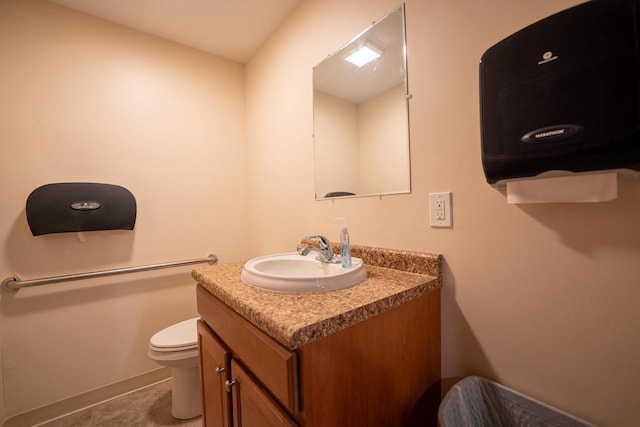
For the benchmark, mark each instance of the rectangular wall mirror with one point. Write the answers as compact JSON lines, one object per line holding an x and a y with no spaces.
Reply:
{"x":361,"y":114}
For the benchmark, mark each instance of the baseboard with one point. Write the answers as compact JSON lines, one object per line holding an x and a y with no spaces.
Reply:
{"x":85,"y":400}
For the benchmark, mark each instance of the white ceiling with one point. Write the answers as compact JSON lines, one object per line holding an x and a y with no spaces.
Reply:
{"x":232,"y":29}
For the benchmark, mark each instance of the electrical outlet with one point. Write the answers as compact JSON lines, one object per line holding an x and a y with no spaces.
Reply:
{"x":440,"y":214}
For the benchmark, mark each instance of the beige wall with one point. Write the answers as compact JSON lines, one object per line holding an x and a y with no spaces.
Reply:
{"x":85,"y":100}
{"x":541,"y":298}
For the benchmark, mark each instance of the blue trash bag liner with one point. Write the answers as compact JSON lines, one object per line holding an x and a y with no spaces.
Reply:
{"x":478,"y":402}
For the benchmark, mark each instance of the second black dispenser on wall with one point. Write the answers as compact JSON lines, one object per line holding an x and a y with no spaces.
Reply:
{"x":80,"y":206}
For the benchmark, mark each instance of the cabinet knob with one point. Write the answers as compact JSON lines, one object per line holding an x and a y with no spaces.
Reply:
{"x":219,"y":370}
{"x":228,"y":384}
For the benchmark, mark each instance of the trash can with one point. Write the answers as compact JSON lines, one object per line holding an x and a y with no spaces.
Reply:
{"x":476,"y":401}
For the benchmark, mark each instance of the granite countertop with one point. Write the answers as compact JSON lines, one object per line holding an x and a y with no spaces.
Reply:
{"x":394,"y":277}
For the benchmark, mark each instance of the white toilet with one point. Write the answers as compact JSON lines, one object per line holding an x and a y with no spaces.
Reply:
{"x":177,"y":347}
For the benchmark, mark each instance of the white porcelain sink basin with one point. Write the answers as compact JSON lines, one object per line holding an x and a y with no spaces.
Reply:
{"x":292,"y":272}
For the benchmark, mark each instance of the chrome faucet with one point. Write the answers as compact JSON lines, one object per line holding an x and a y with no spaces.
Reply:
{"x":326,"y":254}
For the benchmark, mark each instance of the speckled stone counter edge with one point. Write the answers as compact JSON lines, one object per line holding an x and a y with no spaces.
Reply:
{"x":409,"y":261}
{"x":395,"y":277}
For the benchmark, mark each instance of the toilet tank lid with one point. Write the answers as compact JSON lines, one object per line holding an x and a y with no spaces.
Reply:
{"x":181,"y":334}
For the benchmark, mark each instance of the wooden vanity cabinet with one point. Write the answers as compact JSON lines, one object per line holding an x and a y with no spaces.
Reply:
{"x":252,"y":407}
{"x":373,"y":373}
{"x":226,"y":384}
{"x":215,"y":365}
{"x":259,"y":376}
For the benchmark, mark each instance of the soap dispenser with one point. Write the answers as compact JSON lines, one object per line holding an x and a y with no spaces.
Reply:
{"x":345,"y":248}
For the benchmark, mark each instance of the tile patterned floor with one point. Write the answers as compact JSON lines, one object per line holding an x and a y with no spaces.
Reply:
{"x":148,"y":407}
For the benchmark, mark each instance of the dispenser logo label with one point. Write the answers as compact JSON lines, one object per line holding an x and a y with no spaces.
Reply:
{"x":86,"y":206}
{"x":551,"y":133}
{"x":548,"y":56}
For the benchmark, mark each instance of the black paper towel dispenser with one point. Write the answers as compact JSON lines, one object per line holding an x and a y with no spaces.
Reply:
{"x":563,"y":94}
{"x":80,"y":206}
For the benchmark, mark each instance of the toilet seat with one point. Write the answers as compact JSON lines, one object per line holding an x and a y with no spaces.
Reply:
{"x":179,"y":337}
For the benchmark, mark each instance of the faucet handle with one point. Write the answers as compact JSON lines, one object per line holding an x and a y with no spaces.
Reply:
{"x":324,"y":242}
{"x":325,"y":247}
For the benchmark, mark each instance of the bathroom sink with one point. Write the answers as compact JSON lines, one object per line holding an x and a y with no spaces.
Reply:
{"x":292,"y":272}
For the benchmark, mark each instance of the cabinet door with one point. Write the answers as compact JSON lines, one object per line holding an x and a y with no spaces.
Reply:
{"x":214,"y":371}
{"x":252,"y":407}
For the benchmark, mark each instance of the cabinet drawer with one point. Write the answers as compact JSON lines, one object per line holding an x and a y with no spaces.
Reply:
{"x":271,"y":363}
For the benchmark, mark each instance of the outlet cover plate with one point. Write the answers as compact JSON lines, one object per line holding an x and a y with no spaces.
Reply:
{"x":440,"y":213}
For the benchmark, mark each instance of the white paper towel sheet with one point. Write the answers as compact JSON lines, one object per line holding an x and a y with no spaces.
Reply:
{"x":595,"y":187}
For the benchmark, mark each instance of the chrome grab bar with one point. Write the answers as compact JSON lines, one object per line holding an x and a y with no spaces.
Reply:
{"x":15,"y":283}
